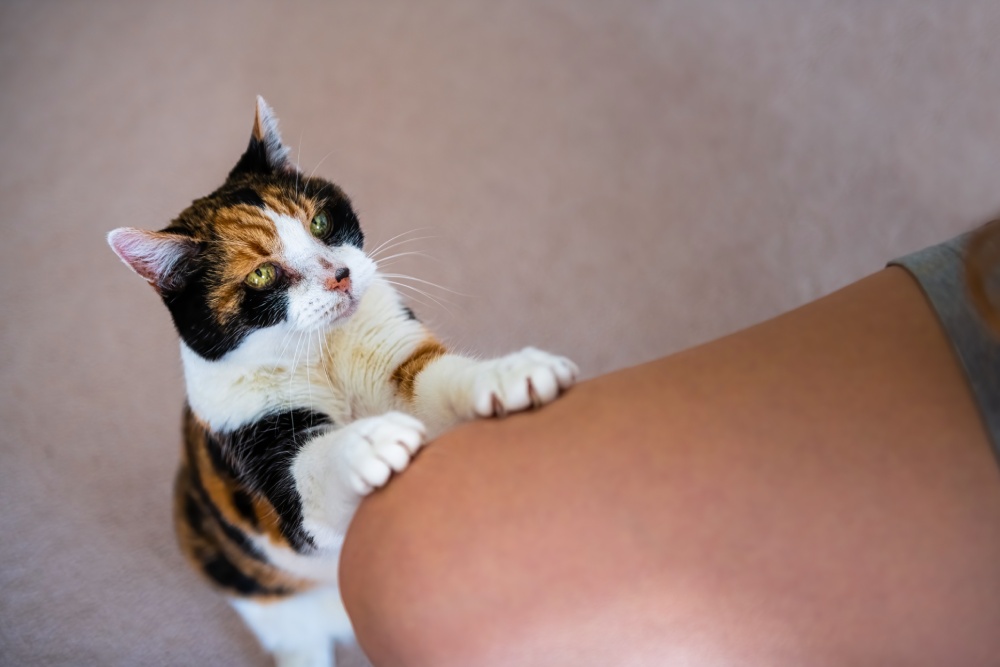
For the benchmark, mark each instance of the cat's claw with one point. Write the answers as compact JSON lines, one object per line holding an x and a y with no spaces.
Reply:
{"x":522,"y":380}
{"x":376,"y":447}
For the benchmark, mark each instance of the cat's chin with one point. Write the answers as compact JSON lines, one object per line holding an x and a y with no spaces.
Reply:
{"x":344,"y":315}
{"x":335,"y":317}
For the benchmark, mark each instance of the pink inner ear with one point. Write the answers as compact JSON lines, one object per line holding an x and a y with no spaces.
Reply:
{"x":153,"y":255}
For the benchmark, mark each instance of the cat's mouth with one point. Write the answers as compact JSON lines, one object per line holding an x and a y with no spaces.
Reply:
{"x":321,"y":305}
{"x":349,"y":306}
{"x":337,"y":313}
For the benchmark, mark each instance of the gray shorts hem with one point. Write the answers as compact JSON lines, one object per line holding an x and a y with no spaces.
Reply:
{"x":939,"y":270}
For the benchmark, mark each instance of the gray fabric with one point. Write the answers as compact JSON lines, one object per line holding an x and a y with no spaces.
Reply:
{"x":939,"y":270}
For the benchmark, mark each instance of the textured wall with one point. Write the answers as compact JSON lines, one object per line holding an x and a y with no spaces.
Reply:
{"x":614,"y":181}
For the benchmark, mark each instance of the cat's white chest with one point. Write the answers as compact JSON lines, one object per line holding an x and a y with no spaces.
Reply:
{"x":343,"y":373}
{"x":242,"y":388}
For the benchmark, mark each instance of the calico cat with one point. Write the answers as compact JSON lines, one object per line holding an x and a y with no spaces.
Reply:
{"x":309,"y":383}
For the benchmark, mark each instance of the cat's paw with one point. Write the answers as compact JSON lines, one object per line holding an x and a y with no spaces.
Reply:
{"x":521,"y":380}
{"x":375,"y":447}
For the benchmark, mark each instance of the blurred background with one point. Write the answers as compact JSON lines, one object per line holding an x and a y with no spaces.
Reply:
{"x":613,"y":181}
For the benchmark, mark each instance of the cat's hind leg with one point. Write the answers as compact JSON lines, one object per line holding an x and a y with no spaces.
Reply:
{"x":300,"y":630}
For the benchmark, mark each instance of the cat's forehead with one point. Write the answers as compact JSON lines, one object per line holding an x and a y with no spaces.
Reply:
{"x":238,"y":219}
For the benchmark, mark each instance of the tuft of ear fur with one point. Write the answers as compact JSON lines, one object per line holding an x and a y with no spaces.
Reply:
{"x":159,"y":257}
{"x":266,"y":154}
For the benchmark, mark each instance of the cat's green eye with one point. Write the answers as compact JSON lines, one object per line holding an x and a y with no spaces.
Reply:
{"x":263,"y":276}
{"x":320,"y":225}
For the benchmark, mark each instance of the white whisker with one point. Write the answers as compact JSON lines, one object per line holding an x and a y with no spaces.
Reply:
{"x":319,"y":163}
{"x":403,"y":276}
{"x":308,"y":368}
{"x":285,"y":342}
{"x":411,"y":231}
{"x":407,"y":254}
{"x":396,"y":241}
{"x":291,"y":382}
{"x":440,"y":301}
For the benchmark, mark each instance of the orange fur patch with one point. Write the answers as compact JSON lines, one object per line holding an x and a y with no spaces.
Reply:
{"x":197,"y":513}
{"x":405,"y":375}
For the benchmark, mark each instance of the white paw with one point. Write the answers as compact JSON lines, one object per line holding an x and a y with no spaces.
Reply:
{"x":518,"y":381}
{"x":376,"y":447}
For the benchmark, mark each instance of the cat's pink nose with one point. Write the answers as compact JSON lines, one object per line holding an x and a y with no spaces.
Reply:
{"x":340,"y":281}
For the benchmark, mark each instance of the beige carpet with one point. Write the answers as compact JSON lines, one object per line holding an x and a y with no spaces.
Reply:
{"x":610,"y":180}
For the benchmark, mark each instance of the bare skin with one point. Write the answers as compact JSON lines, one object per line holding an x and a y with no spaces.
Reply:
{"x":815,"y":490}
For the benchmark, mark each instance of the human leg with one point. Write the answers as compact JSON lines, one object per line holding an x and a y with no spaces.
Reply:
{"x":817,"y":489}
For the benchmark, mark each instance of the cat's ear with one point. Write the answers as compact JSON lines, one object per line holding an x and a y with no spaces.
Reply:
{"x":266,"y":154}
{"x":159,"y":257}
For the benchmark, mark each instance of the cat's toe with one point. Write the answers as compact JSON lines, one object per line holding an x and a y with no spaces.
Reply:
{"x":369,"y":473}
{"x":380,"y":446}
{"x":522,"y":380}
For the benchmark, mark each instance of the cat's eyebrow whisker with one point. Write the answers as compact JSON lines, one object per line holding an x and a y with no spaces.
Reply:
{"x":319,"y":163}
{"x":403,"y":276}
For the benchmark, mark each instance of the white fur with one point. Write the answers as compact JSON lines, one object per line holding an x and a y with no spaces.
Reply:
{"x":299,"y":631}
{"x":274,"y":148}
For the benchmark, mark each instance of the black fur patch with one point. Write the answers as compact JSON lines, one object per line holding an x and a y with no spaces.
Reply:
{"x":221,"y":570}
{"x":263,"y":308}
{"x":346,"y":226}
{"x":195,"y":513}
{"x":260,"y":456}
{"x":195,"y":322}
{"x":253,"y":160}
{"x":244,"y":505}
{"x":243,"y":195}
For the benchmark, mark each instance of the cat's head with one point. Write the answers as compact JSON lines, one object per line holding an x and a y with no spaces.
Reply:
{"x":271,"y":248}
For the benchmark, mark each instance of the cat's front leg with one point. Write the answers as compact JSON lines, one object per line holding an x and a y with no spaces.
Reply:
{"x":335,"y":470}
{"x":453,"y":388}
